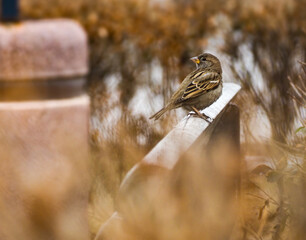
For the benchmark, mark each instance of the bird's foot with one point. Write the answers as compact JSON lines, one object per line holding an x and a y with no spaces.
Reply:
{"x":201,"y":115}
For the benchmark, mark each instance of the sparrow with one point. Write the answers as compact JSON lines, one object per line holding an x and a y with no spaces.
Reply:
{"x":199,"y":89}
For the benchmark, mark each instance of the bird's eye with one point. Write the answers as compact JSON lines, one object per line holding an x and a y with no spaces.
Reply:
{"x":203,"y":59}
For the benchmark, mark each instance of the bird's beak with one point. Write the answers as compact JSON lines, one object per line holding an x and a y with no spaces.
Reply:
{"x":195,"y":60}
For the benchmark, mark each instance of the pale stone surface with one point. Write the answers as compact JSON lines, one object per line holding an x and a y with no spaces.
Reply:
{"x":42,"y":49}
{"x":167,"y":152}
{"x":44,"y":169}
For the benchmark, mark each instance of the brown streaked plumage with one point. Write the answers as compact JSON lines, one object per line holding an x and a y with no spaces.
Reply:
{"x":199,"y":89}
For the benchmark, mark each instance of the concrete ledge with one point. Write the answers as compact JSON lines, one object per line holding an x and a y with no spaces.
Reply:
{"x":167,"y":152}
{"x":46,"y":104}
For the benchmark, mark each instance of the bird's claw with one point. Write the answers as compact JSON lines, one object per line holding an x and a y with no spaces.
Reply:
{"x":206,"y":118}
{"x":201,"y":115}
{"x":209,"y":119}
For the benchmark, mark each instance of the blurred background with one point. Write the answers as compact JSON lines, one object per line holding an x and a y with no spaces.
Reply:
{"x":139,"y":54}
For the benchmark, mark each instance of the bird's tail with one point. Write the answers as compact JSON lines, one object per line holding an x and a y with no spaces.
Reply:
{"x":157,"y":115}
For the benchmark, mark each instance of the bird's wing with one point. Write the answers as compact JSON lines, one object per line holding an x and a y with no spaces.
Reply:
{"x":202,"y":82}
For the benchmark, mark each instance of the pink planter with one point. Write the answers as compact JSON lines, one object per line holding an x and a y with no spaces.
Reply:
{"x":44,"y":115}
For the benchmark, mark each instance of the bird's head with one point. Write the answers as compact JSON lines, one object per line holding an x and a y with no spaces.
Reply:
{"x":208,"y":61}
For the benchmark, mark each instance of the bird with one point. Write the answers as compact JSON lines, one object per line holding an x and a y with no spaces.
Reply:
{"x":199,"y":89}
